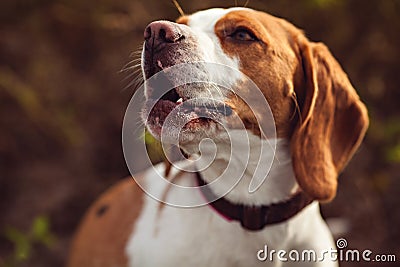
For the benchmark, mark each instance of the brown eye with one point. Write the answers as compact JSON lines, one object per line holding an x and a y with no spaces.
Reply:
{"x":243,"y":35}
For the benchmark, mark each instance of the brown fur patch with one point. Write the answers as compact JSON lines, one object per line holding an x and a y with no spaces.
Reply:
{"x":334,"y":122}
{"x":102,"y":235}
{"x":301,"y":78}
{"x":183,"y":20}
{"x":272,"y":62}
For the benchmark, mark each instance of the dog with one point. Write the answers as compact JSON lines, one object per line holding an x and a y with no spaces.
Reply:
{"x":320,"y":122}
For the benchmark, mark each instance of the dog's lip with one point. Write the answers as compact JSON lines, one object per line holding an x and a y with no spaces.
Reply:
{"x":174,"y":99}
{"x":185,"y":106}
{"x":157,"y":111}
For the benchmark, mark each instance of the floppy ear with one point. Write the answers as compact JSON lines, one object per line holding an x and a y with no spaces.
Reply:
{"x":332,"y":124}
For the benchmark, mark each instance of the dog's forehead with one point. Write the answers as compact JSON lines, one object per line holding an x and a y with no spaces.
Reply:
{"x":206,"y":19}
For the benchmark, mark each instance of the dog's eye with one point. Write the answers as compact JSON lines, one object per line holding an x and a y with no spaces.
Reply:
{"x":243,"y":35}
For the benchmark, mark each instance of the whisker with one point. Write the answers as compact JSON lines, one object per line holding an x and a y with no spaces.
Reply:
{"x":216,"y":87}
{"x":140,"y":123}
{"x":138,"y":50}
{"x":209,"y":91}
{"x":135,"y":83}
{"x":132,"y":72}
{"x":133,"y":67}
{"x":178,"y":7}
{"x":129,"y":76}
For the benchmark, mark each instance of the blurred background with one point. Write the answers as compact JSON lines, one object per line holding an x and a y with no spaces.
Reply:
{"x":63,"y":97}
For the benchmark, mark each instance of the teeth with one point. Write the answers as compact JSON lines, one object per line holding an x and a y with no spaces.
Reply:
{"x":180,"y":100}
{"x":160,"y":64}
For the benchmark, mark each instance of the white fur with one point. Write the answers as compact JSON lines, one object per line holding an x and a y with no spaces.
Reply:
{"x":202,"y":23}
{"x":172,"y":236}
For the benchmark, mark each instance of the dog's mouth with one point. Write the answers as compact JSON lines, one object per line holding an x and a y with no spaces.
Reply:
{"x":186,"y":113}
{"x":184,"y":110}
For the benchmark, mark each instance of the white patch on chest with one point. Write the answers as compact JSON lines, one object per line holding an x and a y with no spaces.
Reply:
{"x":174,"y":236}
{"x":252,"y":157}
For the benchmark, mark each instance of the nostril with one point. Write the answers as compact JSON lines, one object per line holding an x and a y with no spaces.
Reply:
{"x":147,"y":32}
{"x":169,"y":35}
{"x":162,"y":34}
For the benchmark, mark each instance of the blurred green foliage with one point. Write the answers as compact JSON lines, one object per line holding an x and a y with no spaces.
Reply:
{"x":154,"y":148}
{"x":24,"y":243}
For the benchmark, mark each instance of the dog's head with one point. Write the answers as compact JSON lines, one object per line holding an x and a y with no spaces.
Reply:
{"x":313,"y":103}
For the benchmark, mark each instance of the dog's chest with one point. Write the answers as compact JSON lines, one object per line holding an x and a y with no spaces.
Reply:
{"x":171,"y":236}
{"x":196,"y":237}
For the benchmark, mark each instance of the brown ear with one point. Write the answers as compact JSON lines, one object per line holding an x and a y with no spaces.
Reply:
{"x":332,"y":124}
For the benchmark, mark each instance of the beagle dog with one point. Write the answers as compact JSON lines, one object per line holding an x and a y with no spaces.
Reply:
{"x":320,"y":122}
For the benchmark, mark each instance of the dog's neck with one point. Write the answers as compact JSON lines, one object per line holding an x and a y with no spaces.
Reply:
{"x":244,"y":157}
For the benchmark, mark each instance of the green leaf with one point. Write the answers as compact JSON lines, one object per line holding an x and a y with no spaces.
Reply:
{"x":40,"y":227}
{"x":41,"y":231}
{"x":393,"y":154}
{"x":21,"y":242}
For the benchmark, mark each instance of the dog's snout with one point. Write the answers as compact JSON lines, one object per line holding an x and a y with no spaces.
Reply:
{"x":159,"y":33}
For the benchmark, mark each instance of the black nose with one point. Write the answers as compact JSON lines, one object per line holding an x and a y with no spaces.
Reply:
{"x":159,"y":33}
